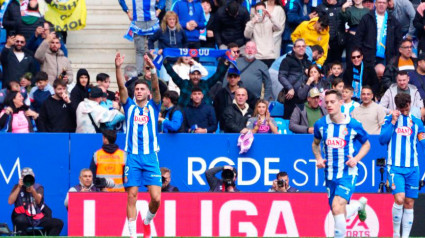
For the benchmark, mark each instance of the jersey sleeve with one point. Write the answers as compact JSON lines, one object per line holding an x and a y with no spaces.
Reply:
{"x":127,"y":104}
{"x":317,"y":134}
{"x":421,"y":132}
{"x":156,"y":107}
{"x":362,"y":136}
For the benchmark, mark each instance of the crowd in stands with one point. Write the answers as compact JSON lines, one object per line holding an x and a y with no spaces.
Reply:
{"x":370,"y":51}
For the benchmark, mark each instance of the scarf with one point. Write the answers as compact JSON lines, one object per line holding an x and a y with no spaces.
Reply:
{"x":357,"y":81}
{"x":382,"y":38}
{"x":243,"y":111}
{"x":135,"y":30}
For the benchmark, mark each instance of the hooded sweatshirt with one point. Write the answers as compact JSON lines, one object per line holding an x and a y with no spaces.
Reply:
{"x":188,"y":11}
{"x":99,"y":114}
{"x":79,"y":92}
{"x":306,"y":31}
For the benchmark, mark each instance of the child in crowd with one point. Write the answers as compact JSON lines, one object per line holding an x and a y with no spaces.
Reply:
{"x":25,"y":81}
{"x":349,"y":104}
{"x":337,"y":84}
{"x":336,"y":71}
{"x":40,"y":92}
{"x":13,"y":86}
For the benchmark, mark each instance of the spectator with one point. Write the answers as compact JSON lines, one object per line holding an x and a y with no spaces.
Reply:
{"x":198,"y":116}
{"x":404,"y":12}
{"x":195,"y":81}
{"x":404,"y":61}
{"x":274,"y":7}
{"x":11,"y":21}
{"x":225,"y":184}
{"x":235,"y":116}
{"x":26,"y":82}
{"x":281,"y":184}
{"x":31,"y":18}
{"x":15,"y":60}
{"x":172,"y":117}
{"x":170,"y":35}
{"x":226,"y":95}
{"x":260,"y":29}
{"x":254,"y":73}
{"x":305,"y":115}
{"x":337,"y":84}
{"x":369,"y":4}
{"x":419,"y":23}
{"x":207,"y":34}
{"x":53,"y":60}
{"x":130,"y":76}
{"x":41,"y":32}
{"x":417,"y":77}
{"x":166,"y":179}
{"x":16,"y":117}
{"x":91,"y":116}
{"x":314,"y":80}
{"x":349,"y":105}
{"x":314,"y":32}
{"x":182,"y":68}
{"x":13,"y":86}
{"x":103,"y":80}
{"x":86,"y":185}
{"x":402,"y":86}
{"x":118,"y":122}
{"x":369,"y":35}
{"x":57,"y":113}
{"x":41,"y":92}
{"x":192,"y":18}
{"x":80,"y":90}
{"x":332,"y":9}
{"x":261,"y":122}
{"x":30,"y":197}
{"x":109,"y":162}
{"x":316,"y":53}
{"x":291,"y":74}
{"x":336,"y":71}
{"x":360,"y":74}
{"x":231,"y":20}
{"x":369,"y":113}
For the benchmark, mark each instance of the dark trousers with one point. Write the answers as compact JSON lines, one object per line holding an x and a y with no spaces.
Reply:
{"x":268,"y":62}
{"x":194,"y":45}
{"x":334,"y":52}
{"x":52,"y":226}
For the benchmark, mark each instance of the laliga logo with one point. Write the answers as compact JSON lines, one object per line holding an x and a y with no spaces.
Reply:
{"x":404,"y":131}
{"x":143,"y":119}
{"x":336,"y":143}
{"x":355,"y":227}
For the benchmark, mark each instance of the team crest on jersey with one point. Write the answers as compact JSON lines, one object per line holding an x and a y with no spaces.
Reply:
{"x":141,"y":120}
{"x":145,"y":111}
{"x":409,"y":123}
{"x":345,"y":132}
{"x":404,"y":131}
{"x":336,"y":143}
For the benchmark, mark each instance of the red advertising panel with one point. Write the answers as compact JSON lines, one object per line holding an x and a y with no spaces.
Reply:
{"x":230,"y":214}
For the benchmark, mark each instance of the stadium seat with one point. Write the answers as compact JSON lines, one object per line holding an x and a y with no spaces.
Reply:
{"x":283,"y":126}
{"x":276,"y":109}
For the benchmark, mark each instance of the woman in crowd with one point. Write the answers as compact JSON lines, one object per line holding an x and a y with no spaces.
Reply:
{"x":314,"y":80}
{"x":274,"y":7}
{"x":261,"y":122}
{"x":80,"y":91}
{"x":16,"y":117}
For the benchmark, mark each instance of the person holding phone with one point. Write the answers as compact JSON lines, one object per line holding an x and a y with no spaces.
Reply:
{"x":261,"y":122}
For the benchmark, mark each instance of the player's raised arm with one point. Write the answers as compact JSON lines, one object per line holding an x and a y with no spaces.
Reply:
{"x":154,"y":80}
{"x":119,"y":60}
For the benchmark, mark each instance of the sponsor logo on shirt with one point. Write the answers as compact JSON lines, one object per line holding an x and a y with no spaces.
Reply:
{"x":336,"y":143}
{"x":404,"y":131}
{"x":141,"y":120}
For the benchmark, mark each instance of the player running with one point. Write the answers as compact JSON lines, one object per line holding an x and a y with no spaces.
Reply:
{"x":141,"y":144}
{"x":338,"y":133}
{"x":401,"y":132}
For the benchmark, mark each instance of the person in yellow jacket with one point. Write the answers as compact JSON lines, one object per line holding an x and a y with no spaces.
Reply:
{"x":109,"y":162}
{"x":314,"y":32}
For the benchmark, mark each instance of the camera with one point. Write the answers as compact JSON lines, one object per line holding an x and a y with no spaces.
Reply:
{"x":281,"y":183}
{"x":28,"y":180}
{"x":101,"y":183}
{"x":380,"y":162}
{"x":228,"y":175}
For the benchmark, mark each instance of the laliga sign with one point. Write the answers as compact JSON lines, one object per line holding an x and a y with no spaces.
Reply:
{"x":355,"y":227}
{"x":336,"y":143}
{"x":404,"y":131}
{"x":143,"y":119}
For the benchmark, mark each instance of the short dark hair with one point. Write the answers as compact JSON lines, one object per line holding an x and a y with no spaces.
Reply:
{"x":367,"y":87}
{"x":172,"y":95}
{"x":333,"y":91}
{"x":232,"y":45}
{"x":323,"y":20}
{"x":317,"y":48}
{"x":110,"y":135}
{"x":281,"y":174}
{"x":59,"y":82}
{"x":197,"y":89}
{"x":349,"y":87}
{"x":404,"y":41}
{"x":259,"y":4}
{"x":336,"y":63}
{"x":41,"y":76}
{"x":101,"y":77}
{"x":358,"y":49}
{"x":336,"y":81}
{"x":142,"y":81}
{"x":402,"y":100}
{"x":402,"y":73}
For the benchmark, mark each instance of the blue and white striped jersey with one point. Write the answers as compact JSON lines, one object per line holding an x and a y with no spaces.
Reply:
{"x":143,"y":10}
{"x":347,"y":108}
{"x":402,"y":139}
{"x":142,"y":127}
{"x":338,"y":142}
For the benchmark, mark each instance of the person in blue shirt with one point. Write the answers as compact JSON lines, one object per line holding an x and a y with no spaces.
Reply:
{"x":338,"y":133}
{"x":141,"y":143}
{"x":401,"y":132}
{"x":172,"y":117}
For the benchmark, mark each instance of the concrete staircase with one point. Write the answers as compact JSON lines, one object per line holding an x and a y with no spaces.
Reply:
{"x":94,"y":47}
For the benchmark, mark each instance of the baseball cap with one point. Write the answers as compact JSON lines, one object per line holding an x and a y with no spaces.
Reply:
{"x":96,"y":92}
{"x":314,"y":92}
{"x":233,"y":71}
{"x":368,"y":1}
{"x":194,"y":68}
{"x":421,"y":56}
{"x":27,"y":171}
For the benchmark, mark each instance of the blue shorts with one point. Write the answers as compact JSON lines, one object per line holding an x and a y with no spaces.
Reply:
{"x":343,"y":187}
{"x":142,"y":170}
{"x":404,"y":180}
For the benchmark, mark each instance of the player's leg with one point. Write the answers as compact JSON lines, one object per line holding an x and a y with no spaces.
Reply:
{"x":338,"y":212}
{"x":132,"y":180}
{"x":398,"y":187}
{"x":131,"y":210}
{"x":412,"y":192}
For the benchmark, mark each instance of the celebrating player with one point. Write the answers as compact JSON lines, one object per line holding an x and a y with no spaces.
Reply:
{"x":401,"y":132}
{"x":141,"y":144}
{"x":338,"y":133}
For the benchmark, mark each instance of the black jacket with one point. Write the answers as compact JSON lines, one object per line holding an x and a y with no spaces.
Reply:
{"x":203,"y":116}
{"x":292,"y":71}
{"x":419,"y":23}
{"x":391,"y":70}
{"x":233,"y":120}
{"x":366,"y":38}
{"x":369,"y":78}
{"x":336,"y":27}
{"x":229,"y":29}
{"x":12,"y":17}
{"x":210,"y":42}
{"x":56,"y":116}
{"x":12,"y":68}
{"x":216,"y":184}
{"x":79,"y":92}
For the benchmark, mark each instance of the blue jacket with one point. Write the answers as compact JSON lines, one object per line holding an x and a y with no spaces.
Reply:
{"x":188,"y":11}
{"x":173,"y":120}
{"x":203,"y":116}
{"x":164,"y":39}
{"x":294,"y":16}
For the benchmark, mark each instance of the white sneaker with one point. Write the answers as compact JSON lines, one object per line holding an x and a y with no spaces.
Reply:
{"x":362,"y":210}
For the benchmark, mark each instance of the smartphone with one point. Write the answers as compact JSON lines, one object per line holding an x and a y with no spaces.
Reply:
{"x":260,"y":12}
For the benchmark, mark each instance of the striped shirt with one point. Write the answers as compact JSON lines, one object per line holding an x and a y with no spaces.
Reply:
{"x":402,"y":139}
{"x":347,"y":108}
{"x":142,"y":127}
{"x":338,"y":142}
{"x":145,"y":9}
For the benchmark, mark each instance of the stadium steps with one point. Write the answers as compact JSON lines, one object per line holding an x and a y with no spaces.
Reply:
{"x":95,"y":46}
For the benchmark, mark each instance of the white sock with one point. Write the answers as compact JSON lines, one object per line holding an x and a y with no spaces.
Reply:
{"x":407,"y":222}
{"x":397,"y":215}
{"x":340,"y":226}
{"x":149,"y":217}
{"x":352,"y":208}
{"x":132,"y":227}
